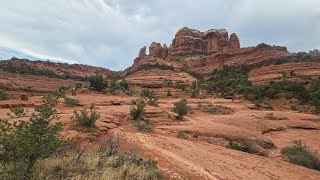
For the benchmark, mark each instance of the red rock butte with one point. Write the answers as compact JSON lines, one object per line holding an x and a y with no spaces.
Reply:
{"x":194,"y":41}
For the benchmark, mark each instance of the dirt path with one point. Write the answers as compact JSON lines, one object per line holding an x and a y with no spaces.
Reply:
{"x":207,"y":161}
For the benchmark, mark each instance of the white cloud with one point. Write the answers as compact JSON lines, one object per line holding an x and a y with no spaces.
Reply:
{"x":109,"y":33}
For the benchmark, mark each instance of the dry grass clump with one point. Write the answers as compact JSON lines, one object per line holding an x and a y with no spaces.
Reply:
{"x":217,"y":109}
{"x":107,"y":164}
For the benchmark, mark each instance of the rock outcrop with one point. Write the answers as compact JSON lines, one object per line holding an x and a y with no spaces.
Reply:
{"x":142,"y":52}
{"x":234,"y":42}
{"x":193,"y":41}
{"x":155,"y":49}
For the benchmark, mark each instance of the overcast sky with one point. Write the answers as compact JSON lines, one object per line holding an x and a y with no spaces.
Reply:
{"x":109,"y":33}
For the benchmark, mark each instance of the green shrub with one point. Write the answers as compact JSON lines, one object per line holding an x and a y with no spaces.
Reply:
{"x":229,"y":80}
{"x":143,"y":125}
{"x":245,"y":146}
{"x":182,"y":135}
{"x":86,"y":119}
{"x":138,"y":111}
{"x":299,"y":154}
{"x":153,"y":101}
{"x":3,"y":95}
{"x":195,"y":89}
{"x":147,"y":93}
{"x":217,"y":109}
{"x":71,"y":102}
{"x":124,"y":85}
{"x":26,"y":142}
{"x":181,"y":108}
{"x":18,"y":111}
{"x":79,"y":85}
{"x":169,"y":93}
{"x":97,"y":82}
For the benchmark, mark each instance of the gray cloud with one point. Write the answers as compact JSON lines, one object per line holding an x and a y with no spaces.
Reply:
{"x":109,"y":33}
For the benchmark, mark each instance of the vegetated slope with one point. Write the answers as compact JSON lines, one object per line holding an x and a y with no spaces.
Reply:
{"x":52,"y":69}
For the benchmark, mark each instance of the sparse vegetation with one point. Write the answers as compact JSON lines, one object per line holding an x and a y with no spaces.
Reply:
{"x":181,"y":108}
{"x":228,"y":81}
{"x":271,"y":116}
{"x":299,"y":154}
{"x":152,"y":98}
{"x":232,"y":80}
{"x":195,"y":89}
{"x":24,"y":143}
{"x":143,"y":125}
{"x":97,"y":82}
{"x":137,"y":116}
{"x":18,"y":111}
{"x":182,"y":135}
{"x":3,"y":95}
{"x":71,"y":101}
{"x":194,"y":54}
{"x":245,"y":146}
{"x":217,"y":109}
{"x":124,"y":85}
{"x":85,"y":118}
{"x":138,"y":112}
{"x":169,"y":93}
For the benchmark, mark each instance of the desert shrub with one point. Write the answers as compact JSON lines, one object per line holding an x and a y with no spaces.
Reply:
{"x":64,"y":88}
{"x":195,"y":89}
{"x":26,"y":142}
{"x":314,"y":91}
{"x":92,"y":165}
{"x":182,"y":135}
{"x":143,"y":125}
{"x":124,"y":85}
{"x":18,"y":111}
{"x":71,"y":101}
{"x":169,"y":93}
{"x":153,"y":101}
{"x":271,"y":116}
{"x":85,"y":118}
{"x":299,"y":154}
{"x":3,"y":95}
{"x":113,"y":85}
{"x":147,"y":93}
{"x":229,"y":80}
{"x":244,"y":145}
{"x":181,"y":108}
{"x":53,"y":98}
{"x":138,"y":111}
{"x":217,"y":109}
{"x":97,"y":82}
{"x":79,"y":85}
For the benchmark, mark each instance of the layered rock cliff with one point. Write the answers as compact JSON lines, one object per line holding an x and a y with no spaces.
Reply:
{"x":189,"y":41}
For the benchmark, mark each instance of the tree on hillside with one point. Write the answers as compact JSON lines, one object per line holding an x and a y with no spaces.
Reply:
{"x":23,"y":143}
{"x":97,"y":82}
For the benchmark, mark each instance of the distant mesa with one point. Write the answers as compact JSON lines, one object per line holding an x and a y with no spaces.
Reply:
{"x":193,"y":41}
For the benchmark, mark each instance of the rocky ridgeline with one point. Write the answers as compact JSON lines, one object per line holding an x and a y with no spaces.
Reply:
{"x":193,"y":41}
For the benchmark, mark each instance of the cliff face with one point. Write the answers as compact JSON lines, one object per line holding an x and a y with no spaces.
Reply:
{"x":193,"y":41}
{"x":215,"y":40}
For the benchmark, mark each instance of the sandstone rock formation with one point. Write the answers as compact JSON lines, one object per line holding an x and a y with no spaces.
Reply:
{"x":155,"y":49}
{"x":234,"y":42}
{"x":215,"y":40}
{"x":193,"y":41}
{"x":142,"y":52}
